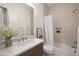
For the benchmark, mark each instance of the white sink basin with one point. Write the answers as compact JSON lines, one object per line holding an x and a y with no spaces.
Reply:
{"x":26,"y":42}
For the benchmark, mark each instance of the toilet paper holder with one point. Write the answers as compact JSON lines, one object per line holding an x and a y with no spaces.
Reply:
{"x":58,"y":29}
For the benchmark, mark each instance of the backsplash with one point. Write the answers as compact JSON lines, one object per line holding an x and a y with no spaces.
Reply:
{"x":2,"y":42}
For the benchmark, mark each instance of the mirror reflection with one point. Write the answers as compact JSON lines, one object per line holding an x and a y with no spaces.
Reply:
{"x":18,"y":16}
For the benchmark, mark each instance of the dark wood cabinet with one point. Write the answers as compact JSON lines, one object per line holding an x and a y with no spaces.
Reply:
{"x":35,"y":51}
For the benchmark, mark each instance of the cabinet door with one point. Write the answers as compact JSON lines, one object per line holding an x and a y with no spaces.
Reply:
{"x":36,"y":51}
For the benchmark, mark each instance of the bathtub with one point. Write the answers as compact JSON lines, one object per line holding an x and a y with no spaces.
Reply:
{"x":63,"y":50}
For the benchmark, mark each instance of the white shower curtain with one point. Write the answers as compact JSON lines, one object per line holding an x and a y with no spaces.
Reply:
{"x":48,"y":26}
{"x":77,"y":50}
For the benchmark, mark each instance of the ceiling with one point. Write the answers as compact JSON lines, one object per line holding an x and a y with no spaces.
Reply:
{"x":26,"y":5}
{"x":50,"y":4}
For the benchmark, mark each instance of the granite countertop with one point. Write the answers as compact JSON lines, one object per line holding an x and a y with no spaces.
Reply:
{"x":19,"y":48}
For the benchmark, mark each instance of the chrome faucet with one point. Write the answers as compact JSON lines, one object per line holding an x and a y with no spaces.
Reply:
{"x":75,"y":46}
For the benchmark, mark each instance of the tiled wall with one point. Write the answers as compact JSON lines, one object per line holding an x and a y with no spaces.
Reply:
{"x":65,"y":19}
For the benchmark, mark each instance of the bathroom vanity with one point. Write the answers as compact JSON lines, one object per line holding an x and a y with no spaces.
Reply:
{"x":35,"y":51}
{"x":29,"y":47}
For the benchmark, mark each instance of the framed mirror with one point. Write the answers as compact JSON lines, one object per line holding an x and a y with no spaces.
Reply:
{"x":18,"y":16}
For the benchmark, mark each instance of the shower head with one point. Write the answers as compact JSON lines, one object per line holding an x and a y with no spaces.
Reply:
{"x":75,"y":10}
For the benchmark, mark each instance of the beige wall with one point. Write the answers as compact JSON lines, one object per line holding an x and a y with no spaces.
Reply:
{"x":46,"y":10}
{"x":65,"y":19}
{"x":77,"y":11}
{"x":38,"y":17}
